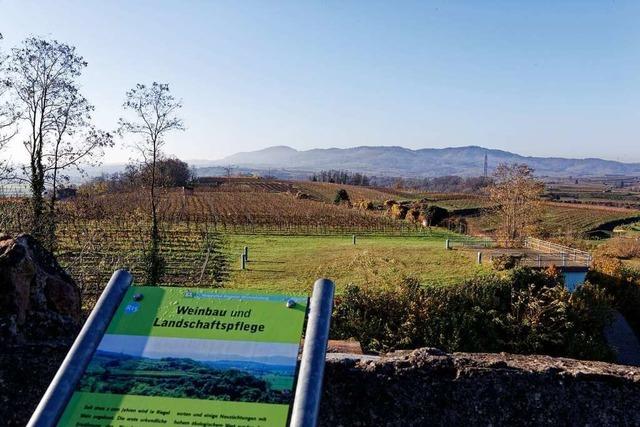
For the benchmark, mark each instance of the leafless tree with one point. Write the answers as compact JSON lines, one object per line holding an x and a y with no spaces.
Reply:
{"x":228,"y":171}
{"x":43,"y":77}
{"x":154,"y":115}
{"x":516,"y":194}
{"x":76,"y":143}
{"x":8,"y":118}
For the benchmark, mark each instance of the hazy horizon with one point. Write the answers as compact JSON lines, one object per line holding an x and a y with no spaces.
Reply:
{"x":196,"y":162}
{"x":537,"y":78}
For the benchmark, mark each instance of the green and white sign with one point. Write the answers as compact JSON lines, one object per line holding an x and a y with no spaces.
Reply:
{"x":192,"y":357}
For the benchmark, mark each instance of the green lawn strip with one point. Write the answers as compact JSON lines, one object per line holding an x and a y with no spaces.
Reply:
{"x":293,"y":263}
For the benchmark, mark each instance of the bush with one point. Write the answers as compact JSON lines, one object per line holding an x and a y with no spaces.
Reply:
{"x":527,"y":312}
{"x":621,"y":284}
{"x":433,"y":215}
{"x":398,"y":211}
{"x":412,"y":215}
{"x":389,"y":203}
{"x":341,"y":196}
{"x":504,"y":262}
{"x":366,"y":205}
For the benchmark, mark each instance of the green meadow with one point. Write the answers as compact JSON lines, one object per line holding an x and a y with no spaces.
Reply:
{"x":293,"y":263}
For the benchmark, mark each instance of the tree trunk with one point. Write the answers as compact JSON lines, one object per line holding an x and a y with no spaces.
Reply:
{"x":155,"y":261}
{"x":51,"y":220}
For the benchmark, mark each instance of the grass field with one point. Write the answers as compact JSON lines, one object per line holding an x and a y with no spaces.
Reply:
{"x":293,"y":263}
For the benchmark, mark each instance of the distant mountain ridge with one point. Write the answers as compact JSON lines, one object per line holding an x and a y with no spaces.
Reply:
{"x":426,"y":162}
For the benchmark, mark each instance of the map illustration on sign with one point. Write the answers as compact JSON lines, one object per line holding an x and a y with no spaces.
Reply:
{"x":195,"y":357}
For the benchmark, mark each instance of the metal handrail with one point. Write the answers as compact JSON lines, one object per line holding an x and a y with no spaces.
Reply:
{"x":59,"y":393}
{"x":555,"y":248}
{"x":306,"y":404}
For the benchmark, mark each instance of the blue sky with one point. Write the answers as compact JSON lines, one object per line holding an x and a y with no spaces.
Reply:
{"x":552,"y":78}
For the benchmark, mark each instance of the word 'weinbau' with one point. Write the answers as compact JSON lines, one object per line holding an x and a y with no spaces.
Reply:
{"x":207,"y":311}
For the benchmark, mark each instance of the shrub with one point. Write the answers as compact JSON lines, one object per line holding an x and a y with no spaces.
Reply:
{"x":341,"y":196}
{"x":621,"y":284}
{"x":93,"y":188}
{"x":153,"y":265}
{"x":389,"y":203}
{"x":433,"y":215}
{"x":504,"y":262}
{"x":412,"y":215}
{"x":366,"y":205}
{"x":398,"y":211}
{"x":527,"y":312}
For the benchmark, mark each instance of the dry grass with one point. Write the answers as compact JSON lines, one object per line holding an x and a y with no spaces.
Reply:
{"x":621,"y":248}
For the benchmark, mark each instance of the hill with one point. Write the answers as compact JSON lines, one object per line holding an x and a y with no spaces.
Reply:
{"x":398,"y":161}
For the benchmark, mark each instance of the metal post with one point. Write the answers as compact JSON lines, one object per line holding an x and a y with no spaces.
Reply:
{"x":246,"y":253}
{"x":243,"y":261}
{"x":479,"y":257}
{"x":354,"y":239}
{"x":57,"y":396}
{"x":446,"y":244}
{"x":539,"y":261}
{"x":306,"y":404}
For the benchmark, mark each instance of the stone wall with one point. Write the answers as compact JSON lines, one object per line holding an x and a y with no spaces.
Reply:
{"x":429,"y":387}
{"x":25,"y":373}
{"x":39,"y":301}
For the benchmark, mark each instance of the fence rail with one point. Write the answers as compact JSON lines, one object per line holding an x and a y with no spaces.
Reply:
{"x":470,"y":243}
{"x":564,"y":253}
{"x":542,"y":260}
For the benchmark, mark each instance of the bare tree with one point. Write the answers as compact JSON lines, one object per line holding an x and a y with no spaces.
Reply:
{"x":228,"y":171}
{"x":8,"y":118}
{"x":154,"y":110}
{"x":516,"y":194}
{"x":43,"y":77}
{"x":75,"y":143}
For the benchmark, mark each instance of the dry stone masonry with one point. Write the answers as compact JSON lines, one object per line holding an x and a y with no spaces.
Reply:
{"x":427,"y":387}
{"x":38,"y":300}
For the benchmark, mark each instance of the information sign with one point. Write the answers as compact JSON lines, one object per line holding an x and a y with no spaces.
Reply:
{"x":192,"y":357}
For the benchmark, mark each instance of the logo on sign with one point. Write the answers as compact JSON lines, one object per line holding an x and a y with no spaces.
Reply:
{"x":131,"y":308}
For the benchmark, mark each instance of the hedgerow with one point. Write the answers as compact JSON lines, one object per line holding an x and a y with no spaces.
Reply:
{"x":527,"y":312}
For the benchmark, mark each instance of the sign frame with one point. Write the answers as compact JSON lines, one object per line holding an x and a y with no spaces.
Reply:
{"x":308,"y":386}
